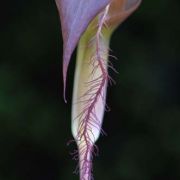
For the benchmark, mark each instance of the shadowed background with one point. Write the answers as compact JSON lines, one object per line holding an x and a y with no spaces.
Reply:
{"x":143,"y":126}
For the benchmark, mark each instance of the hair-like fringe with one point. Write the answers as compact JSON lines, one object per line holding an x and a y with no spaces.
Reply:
{"x":88,"y":117}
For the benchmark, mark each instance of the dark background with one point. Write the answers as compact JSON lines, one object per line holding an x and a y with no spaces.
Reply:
{"x":143,"y":126}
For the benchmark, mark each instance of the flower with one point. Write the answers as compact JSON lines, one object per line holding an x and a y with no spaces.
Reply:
{"x":90,"y":23}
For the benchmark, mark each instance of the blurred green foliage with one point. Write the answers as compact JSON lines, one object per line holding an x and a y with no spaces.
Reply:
{"x":143,"y":126}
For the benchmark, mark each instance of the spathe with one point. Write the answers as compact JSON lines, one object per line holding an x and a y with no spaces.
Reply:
{"x":75,"y":16}
{"x":120,"y":10}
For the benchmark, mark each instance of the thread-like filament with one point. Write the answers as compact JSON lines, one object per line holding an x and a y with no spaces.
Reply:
{"x":96,"y":93}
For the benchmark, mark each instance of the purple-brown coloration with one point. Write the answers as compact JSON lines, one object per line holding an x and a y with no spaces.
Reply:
{"x":92,"y":100}
{"x":75,"y":16}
